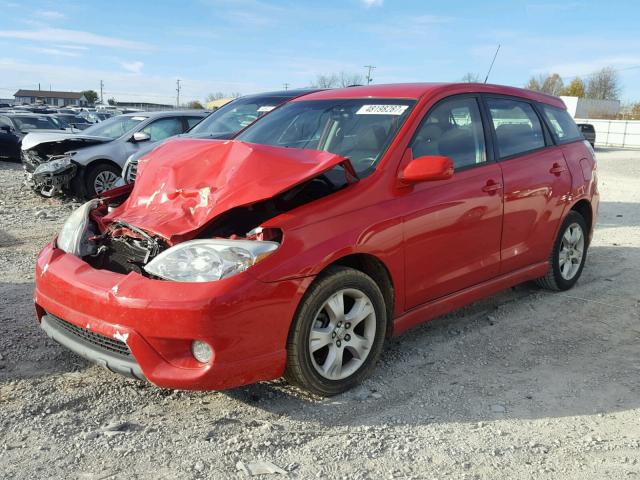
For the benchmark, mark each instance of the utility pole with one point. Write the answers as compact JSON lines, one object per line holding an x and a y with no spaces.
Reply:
{"x":101,"y":87}
{"x":369,"y":67}
{"x":286,"y":86}
{"x":178,"y":91}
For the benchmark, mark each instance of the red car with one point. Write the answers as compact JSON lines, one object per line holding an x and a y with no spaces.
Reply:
{"x":342,"y":218}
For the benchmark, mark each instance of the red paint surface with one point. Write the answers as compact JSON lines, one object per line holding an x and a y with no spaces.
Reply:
{"x":444,"y":243}
{"x":186,"y":183}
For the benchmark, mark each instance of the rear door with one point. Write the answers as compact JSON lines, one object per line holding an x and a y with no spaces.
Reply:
{"x":452,"y":227}
{"x":8,"y":139}
{"x":537,"y":182}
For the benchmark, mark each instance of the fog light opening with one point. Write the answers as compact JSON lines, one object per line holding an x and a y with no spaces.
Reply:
{"x":201,"y":351}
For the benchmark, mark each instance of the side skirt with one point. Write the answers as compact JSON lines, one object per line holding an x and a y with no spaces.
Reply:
{"x":435,"y":308}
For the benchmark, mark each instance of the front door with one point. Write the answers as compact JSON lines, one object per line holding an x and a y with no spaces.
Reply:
{"x":452,"y":231}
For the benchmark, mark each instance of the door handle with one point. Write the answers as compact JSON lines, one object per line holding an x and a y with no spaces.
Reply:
{"x":492,"y":186}
{"x":557,"y":169}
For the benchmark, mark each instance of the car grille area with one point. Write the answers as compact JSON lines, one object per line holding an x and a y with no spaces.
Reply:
{"x":131,"y":171}
{"x":110,"y":345}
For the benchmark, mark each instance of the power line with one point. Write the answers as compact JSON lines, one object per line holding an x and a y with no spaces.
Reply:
{"x":369,"y":67}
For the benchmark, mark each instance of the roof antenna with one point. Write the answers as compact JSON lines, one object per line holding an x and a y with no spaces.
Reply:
{"x":491,"y":66}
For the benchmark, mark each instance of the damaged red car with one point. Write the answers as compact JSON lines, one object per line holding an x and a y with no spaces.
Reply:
{"x":342,"y":218}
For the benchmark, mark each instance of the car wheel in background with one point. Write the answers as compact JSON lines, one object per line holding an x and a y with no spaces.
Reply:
{"x":99,"y":178}
{"x":338,"y":332}
{"x":568,"y":255}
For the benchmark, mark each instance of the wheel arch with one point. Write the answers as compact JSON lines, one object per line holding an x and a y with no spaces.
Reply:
{"x":583,"y":207}
{"x":376,"y":269}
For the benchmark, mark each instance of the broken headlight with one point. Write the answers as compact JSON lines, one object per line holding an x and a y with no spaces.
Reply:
{"x":52,"y":166}
{"x":75,"y":231}
{"x":208,"y":260}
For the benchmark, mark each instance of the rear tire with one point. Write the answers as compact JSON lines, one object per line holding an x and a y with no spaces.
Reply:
{"x":338,"y":332}
{"x":568,"y":255}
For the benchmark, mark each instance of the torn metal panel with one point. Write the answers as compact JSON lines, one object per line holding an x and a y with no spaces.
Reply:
{"x":185,"y":183}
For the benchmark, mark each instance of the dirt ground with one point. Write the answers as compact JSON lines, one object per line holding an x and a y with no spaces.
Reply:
{"x":525,"y":384}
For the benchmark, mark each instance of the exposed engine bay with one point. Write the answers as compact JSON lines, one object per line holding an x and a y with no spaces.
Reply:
{"x":123,"y":248}
{"x":48,"y":165}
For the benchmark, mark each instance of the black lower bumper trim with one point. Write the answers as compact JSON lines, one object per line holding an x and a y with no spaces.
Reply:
{"x":115,"y":362}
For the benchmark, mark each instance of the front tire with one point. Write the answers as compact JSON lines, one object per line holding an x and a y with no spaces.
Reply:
{"x":99,"y":178}
{"x":338,"y":332}
{"x":568,"y":255}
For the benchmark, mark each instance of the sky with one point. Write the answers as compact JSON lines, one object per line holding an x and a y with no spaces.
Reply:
{"x":140,"y":49}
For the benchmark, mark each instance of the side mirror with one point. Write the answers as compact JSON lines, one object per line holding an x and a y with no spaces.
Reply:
{"x":427,"y":168}
{"x":140,"y":137}
{"x":5,"y":128}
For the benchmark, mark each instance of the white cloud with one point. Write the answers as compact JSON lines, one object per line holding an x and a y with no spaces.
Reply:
{"x":72,"y":47}
{"x":48,"y":35}
{"x":372,"y":3}
{"x":50,"y":14}
{"x":133,"y":67}
{"x":53,"y":51}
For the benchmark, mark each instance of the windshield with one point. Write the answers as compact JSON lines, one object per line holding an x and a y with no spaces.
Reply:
{"x":35,"y":123}
{"x":358,"y":129}
{"x":114,"y":127}
{"x":234,"y":116}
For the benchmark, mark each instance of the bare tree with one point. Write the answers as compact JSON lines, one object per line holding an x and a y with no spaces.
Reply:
{"x":326,"y":81}
{"x":553,"y":84}
{"x":470,"y":77}
{"x":195,"y":105}
{"x":604,"y":85}
{"x":535,"y":83}
{"x":214,"y":96}
{"x":348,"y":79}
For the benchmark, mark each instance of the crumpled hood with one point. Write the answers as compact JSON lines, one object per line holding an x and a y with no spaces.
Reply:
{"x":185,"y":183}
{"x":33,"y":139}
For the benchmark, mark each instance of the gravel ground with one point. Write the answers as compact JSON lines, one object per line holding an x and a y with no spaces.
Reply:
{"x":525,"y":384}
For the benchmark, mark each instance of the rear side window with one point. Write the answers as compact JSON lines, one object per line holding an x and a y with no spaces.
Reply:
{"x":562,"y":125}
{"x":517,"y":126}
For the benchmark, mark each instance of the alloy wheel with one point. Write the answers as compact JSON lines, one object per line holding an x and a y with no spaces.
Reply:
{"x":104,"y":181}
{"x":342,"y":334}
{"x":571,"y":251}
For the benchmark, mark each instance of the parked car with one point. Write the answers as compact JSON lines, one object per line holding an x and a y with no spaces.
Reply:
{"x":225,"y":122}
{"x":297,"y":248}
{"x":14,"y":127}
{"x":91,"y":163}
{"x":74,"y":121}
{"x":588,"y":132}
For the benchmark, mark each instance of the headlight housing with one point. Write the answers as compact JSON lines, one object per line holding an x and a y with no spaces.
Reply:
{"x":52,"y":166}
{"x":75,"y":231}
{"x":208,"y":260}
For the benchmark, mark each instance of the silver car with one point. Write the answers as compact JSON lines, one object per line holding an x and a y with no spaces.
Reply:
{"x":88,"y":164}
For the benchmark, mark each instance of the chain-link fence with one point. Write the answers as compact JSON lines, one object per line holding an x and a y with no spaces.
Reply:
{"x":615,"y":133}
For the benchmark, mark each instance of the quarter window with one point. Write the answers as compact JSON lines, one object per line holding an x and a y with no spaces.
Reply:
{"x":517,"y":126}
{"x":562,"y":125}
{"x":453,"y":129}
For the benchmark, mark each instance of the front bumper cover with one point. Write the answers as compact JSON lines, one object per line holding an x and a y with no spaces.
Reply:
{"x":245,"y":321}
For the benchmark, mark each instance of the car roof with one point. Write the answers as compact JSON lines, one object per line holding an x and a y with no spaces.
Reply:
{"x":419,"y":90}
{"x":283,"y":93}
{"x":165,"y":113}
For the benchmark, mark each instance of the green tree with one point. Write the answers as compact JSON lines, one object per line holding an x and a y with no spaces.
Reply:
{"x":112,"y":101}
{"x":575,"y":89}
{"x":195,"y":105}
{"x":91,"y":96}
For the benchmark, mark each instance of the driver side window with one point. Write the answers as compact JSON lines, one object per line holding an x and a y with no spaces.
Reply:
{"x":163,"y":128}
{"x":452,"y":129}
